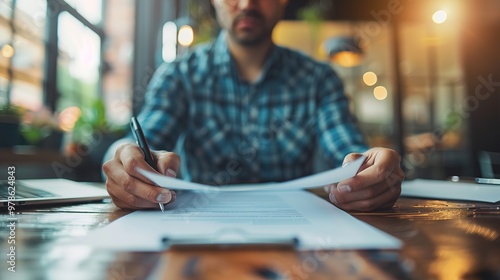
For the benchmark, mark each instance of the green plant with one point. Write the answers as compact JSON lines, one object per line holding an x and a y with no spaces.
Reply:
{"x":205,"y":25}
{"x":38,"y":125}
{"x":33,"y":135}
{"x":93,"y":121}
{"x":11,"y":111}
{"x":312,"y":14}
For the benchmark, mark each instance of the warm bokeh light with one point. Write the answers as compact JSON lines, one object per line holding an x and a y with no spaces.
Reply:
{"x":186,"y":36}
{"x":380,"y":93}
{"x":440,"y":16}
{"x":169,"y":48}
{"x":8,"y":51}
{"x":322,"y":51}
{"x":370,"y":78}
{"x":68,"y":118}
{"x":347,"y":59}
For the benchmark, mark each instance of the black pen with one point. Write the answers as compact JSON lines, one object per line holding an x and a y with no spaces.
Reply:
{"x":143,"y":144}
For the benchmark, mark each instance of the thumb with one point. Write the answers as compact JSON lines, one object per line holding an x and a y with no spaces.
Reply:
{"x":168,"y":163}
{"x":351,"y":157}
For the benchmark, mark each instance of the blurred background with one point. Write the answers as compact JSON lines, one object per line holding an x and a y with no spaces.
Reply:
{"x":423,"y":76}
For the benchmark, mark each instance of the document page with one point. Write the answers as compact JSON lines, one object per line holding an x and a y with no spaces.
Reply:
{"x":221,"y":217}
{"x":255,"y":209}
{"x":316,"y":180}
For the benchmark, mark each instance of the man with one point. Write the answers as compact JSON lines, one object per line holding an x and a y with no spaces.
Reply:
{"x":250,"y":112}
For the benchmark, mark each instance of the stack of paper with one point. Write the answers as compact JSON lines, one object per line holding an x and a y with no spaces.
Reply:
{"x":245,"y":214}
{"x":451,"y":190}
{"x":229,"y":217}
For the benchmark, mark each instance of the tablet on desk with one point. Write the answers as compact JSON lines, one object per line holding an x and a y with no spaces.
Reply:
{"x":47,"y":191}
{"x":478,"y":180}
{"x":451,"y":190}
{"x":489,"y":181}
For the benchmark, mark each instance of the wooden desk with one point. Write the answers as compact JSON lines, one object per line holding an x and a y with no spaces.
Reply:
{"x":442,"y":240}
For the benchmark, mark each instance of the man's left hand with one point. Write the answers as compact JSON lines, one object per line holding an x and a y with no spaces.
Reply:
{"x":376,"y":186}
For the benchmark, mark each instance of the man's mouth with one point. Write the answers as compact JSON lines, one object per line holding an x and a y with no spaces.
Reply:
{"x":247,"y":22}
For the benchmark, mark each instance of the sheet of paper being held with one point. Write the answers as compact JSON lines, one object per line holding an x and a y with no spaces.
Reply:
{"x":312,"y":181}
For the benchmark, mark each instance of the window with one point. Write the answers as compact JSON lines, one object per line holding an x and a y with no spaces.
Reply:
{"x":5,"y":47}
{"x":92,"y":58}
{"x":79,"y":61}
{"x":119,"y":25}
{"x":30,"y":16}
{"x":4,"y":83}
{"x":89,"y":9}
{"x":23,"y":50}
{"x":5,"y":9}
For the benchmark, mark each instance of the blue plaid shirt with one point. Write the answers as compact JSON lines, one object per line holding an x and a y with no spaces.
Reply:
{"x":240,"y":132}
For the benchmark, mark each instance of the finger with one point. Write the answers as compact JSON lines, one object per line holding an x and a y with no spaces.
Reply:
{"x":131,"y":185}
{"x":351,"y":157}
{"x":388,"y":205}
{"x":129,"y":201}
{"x":385,"y":165}
{"x":329,"y":188}
{"x":385,"y":199}
{"x":126,"y":200}
{"x":345,"y":194}
{"x":168,"y":163}
{"x":131,"y":158}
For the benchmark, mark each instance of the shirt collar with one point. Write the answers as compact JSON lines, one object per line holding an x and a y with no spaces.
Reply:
{"x":222,"y":57}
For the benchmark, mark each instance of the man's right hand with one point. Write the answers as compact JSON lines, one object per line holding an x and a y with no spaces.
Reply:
{"x":129,"y":189}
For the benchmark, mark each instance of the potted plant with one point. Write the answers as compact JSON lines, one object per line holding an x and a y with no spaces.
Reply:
{"x":92,"y":135}
{"x":41,"y":128}
{"x":10,"y":120}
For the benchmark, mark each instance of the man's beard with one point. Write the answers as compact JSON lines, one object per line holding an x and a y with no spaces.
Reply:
{"x":252,"y":39}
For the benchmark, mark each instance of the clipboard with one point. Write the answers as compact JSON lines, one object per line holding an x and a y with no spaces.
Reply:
{"x":230,"y":239}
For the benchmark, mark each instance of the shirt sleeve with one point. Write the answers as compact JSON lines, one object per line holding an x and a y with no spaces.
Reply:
{"x":338,"y":132}
{"x":164,"y":110}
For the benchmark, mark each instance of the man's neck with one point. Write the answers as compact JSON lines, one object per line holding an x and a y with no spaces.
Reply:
{"x":250,"y":60}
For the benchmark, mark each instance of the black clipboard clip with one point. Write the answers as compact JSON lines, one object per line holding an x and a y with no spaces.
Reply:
{"x":231,"y":239}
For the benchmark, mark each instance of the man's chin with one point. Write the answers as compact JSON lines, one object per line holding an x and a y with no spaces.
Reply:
{"x":249,"y":39}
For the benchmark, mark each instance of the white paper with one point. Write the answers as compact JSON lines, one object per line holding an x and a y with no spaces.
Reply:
{"x":224,"y":217}
{"x":451,"y":190}
{"x":312,"y":181}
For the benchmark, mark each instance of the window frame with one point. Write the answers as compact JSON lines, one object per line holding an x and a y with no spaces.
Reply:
{"x":54,"y":9}
{"x":50,"y":93}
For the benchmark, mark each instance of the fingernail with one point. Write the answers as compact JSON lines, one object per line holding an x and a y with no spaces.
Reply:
{"x":330,"y":187}
{"x":332,"y":198}
{"x":344,"y":189}
{"x":345,"y":163}
{"x":164,"y":197}
{"x":171,"y":173}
